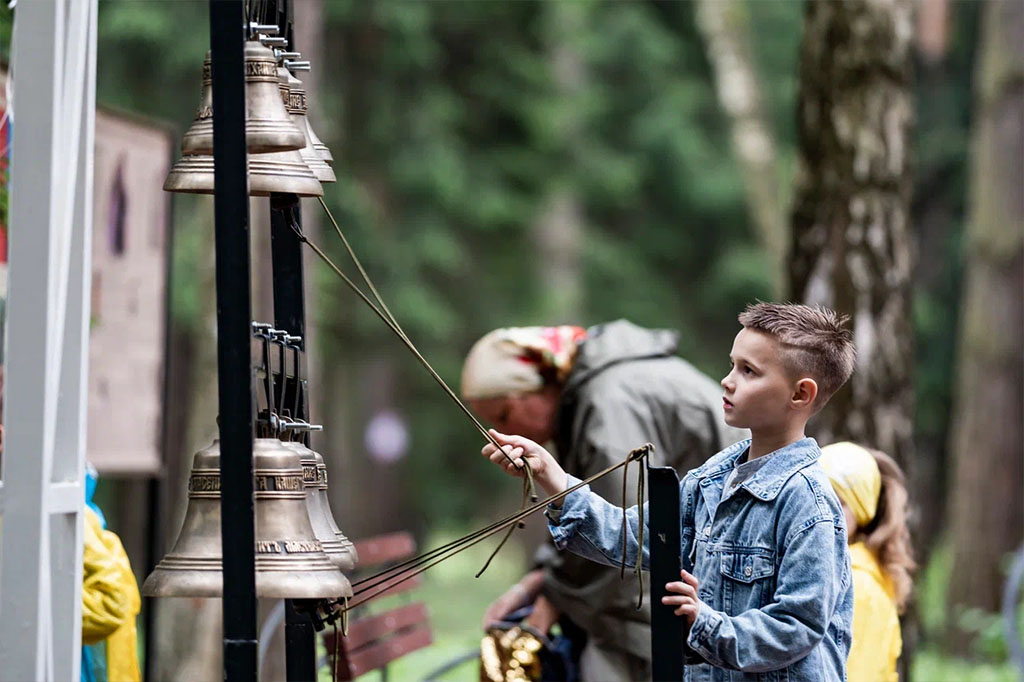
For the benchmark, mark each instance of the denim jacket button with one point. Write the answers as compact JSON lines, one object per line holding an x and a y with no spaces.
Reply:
{"x":707,"y":531}
{"x":747,"y":571}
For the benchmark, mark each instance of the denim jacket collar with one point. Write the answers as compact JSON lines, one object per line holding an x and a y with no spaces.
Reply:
{"x":766,"y":483}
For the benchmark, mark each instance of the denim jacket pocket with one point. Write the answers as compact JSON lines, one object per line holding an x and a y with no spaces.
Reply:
{"x":747,"y":578}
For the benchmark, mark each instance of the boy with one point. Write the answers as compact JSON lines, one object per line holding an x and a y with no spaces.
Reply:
{"x":766,"y":584}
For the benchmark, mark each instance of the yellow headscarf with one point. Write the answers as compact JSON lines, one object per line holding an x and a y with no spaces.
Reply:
{"x":854,"y":475}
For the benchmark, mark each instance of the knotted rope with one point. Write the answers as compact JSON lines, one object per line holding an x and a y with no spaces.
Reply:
{"x":375,"y":585}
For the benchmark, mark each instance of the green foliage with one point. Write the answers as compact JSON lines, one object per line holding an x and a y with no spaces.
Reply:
{"x":988,"y":641}
{"x":452,"y":125}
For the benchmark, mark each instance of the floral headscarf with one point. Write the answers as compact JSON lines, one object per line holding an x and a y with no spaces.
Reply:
{"x":516,"y":360}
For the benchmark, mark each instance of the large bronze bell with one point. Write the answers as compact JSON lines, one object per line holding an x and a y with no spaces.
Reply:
{"x":314,"y":476}
{"x":290,"y":561}
{"x":297,"y":109}
{"x":268,"y":127}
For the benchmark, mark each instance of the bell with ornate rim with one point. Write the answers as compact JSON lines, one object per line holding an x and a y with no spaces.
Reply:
{"x":268,"y":126}
{"x":290,"y":560}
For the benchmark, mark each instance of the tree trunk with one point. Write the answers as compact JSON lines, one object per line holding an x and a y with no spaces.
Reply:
{"x":725,"y":27}
{"x":851,"y":234}
{"x":558,"y":232}
{"x":851,"y":242}
{"x":985,"y":507}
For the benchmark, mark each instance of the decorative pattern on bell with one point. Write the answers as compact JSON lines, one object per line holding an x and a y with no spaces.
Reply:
{"x":290,"y":561}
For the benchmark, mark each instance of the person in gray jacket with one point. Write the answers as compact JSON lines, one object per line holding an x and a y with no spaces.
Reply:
{"x":595,"y":394}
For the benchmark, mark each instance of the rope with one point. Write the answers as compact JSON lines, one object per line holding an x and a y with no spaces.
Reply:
{"x":641,"y":491}
{"x":385,"y":315}
{"x":412,"y":567}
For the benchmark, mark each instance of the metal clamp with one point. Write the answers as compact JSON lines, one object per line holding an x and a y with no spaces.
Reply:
{"x":272,"y":41}
{"x":269,"y":29}
{"x":296,"y":65}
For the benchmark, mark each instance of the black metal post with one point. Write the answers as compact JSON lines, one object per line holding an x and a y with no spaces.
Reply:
{"x":299,"y":644}
{"x":668,"y":631}
{"x":234,"y":317}
{"x":286,"y":258}
{"x":290,"y":316}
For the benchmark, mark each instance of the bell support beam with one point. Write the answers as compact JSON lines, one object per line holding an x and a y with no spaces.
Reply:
{"x":234,"y":319}
{"x":668,"y":630}
{"x":54,"y":52}
{"x":290,"y":315}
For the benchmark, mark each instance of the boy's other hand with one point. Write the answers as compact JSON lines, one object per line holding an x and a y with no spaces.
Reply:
{"x":546,"y":471}
{"x":684,"y":597}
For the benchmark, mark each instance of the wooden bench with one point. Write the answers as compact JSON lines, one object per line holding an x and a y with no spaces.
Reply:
{"x":376,"y":639}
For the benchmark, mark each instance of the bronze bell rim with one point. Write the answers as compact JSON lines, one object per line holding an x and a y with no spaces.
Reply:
{"x":193,"y":174}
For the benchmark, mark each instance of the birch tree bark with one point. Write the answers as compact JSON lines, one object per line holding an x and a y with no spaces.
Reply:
{"x":985,"y":506}
{"x":851,"y":243}
{"x":727,"y":35}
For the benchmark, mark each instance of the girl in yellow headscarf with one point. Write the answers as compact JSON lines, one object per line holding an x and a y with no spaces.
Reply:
{"x":870,"y":486}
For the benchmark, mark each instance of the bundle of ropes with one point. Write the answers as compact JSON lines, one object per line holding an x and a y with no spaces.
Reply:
{"x":370,"y":587}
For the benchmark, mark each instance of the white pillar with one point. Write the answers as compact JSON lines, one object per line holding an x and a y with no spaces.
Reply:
{"x":53,"y":68}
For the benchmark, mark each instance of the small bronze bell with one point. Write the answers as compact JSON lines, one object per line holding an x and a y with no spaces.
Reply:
{"x":268,"y":127}
{"x":314,"y":477}
{"x":290,"y":561}
{"x":297,"y":108}
{"x":346,"y":544}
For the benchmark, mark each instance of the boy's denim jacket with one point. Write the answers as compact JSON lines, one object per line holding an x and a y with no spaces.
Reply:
{"x":771,"y":559}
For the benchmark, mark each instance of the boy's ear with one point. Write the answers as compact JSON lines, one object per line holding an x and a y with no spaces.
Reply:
{"x":804,"y":393}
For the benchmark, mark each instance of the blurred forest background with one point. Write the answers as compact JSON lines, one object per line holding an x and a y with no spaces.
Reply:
{"x":515,"y":163}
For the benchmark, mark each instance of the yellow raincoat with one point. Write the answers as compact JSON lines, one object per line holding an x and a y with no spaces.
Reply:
{"x":876,"y":626}
{"x":110,"y":601}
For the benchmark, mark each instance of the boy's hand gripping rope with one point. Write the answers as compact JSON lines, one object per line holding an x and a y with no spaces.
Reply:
{"x":372,"y":586}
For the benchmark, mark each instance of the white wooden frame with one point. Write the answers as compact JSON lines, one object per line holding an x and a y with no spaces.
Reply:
{"x":54,"y":76}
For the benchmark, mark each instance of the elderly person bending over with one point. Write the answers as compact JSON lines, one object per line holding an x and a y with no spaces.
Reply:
{"x":596,"y":394}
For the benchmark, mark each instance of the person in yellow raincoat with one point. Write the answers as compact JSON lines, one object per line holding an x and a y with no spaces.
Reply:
{"x":870,"y":486}
{"x":110,"y":603}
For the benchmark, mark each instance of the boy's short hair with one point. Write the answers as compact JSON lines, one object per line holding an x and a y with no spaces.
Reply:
{"x":815,"y":342}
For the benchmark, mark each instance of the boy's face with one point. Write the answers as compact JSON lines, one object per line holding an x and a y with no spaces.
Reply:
{"x":758,"y":388}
